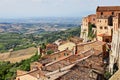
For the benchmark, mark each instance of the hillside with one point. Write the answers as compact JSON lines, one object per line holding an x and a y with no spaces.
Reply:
{"x":17,"y":56}
{"x":17,"y":41}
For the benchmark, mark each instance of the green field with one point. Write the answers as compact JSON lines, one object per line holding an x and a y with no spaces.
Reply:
{"x":17,"y":41}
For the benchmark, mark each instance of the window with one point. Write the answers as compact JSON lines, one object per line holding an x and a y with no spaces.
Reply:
{"x":101,"y":27}
{"x":59,"y":55}
{"x":98,"y":20}
{"x":18,"y":78}
{"x":55,"y":58}
{"x":85,"y":30}
{"x":65,"y":54}
{"x":105,"y":21}
{"x":101,"y":13}
{"x":105,"y":27}
{"x":112,"y":13}
{"x":107,"y":40}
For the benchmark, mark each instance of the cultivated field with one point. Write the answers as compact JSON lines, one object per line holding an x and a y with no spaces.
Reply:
{"x":17,"y":56}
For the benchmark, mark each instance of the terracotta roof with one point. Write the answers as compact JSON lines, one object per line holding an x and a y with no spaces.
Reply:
{"x":49,"y":58}
{"x":108,"y":8}
{"x":65,"y":62}
{"x":101,"y":35}
{"x":51,"y":45}
{"x":76,"y":40}
{"x":36,"y":73}
{"x":81,"y":71}
{"x":99,"y":43}
{"x":116,"y":76}
{"x":91,"y":15}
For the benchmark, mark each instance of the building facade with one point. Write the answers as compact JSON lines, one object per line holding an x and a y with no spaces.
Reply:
{"x":86,"y":21}
{"x":103,"y":20}
{"x":115,"y":49}
{"x":104,"y":23}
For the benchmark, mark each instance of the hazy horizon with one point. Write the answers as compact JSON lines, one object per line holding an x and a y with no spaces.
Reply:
{"x":51,"y":8}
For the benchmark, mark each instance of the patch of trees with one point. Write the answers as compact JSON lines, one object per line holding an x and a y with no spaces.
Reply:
{"x":18,"y":41}
{"x":8,"y":70}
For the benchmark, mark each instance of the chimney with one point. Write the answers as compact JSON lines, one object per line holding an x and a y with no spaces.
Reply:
{"x":75,"y":49}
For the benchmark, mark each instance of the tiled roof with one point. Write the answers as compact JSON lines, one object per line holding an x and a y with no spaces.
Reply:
{"x":91,"y":15}
{"x":76,"y":40}
{"x":65,"y":62}
{"x":81,"y":71}
{"x":116,"y":76}
{"x":108,"y":8}
{"x":101,"y":35}
{"x":51,"y":45}
{"x":81,"y":68}
{"x":49,"y":58}
{"x":36,"y":73}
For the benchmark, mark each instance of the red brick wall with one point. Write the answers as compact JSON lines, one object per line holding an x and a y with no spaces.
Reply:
{"x":107,"y":13}
{"x":92,"y":18}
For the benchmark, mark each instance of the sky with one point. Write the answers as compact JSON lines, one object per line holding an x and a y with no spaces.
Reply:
{"x":51,"y":8}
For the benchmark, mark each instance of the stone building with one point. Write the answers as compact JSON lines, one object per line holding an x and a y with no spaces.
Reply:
{"x":52,"y":47}
{"x":104,"y":32}
{"x":104,"y":23}
{"x":103,"y":20}
{"x":84,"y":29}
{"x":90,"y":19}
{"x":107,"y":11}
{"x":66,"y":45}
{"x":115,"y":49}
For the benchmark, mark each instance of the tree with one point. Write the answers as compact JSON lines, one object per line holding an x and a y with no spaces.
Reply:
{"x":91,"y":32}
{"x":43,"y":46}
